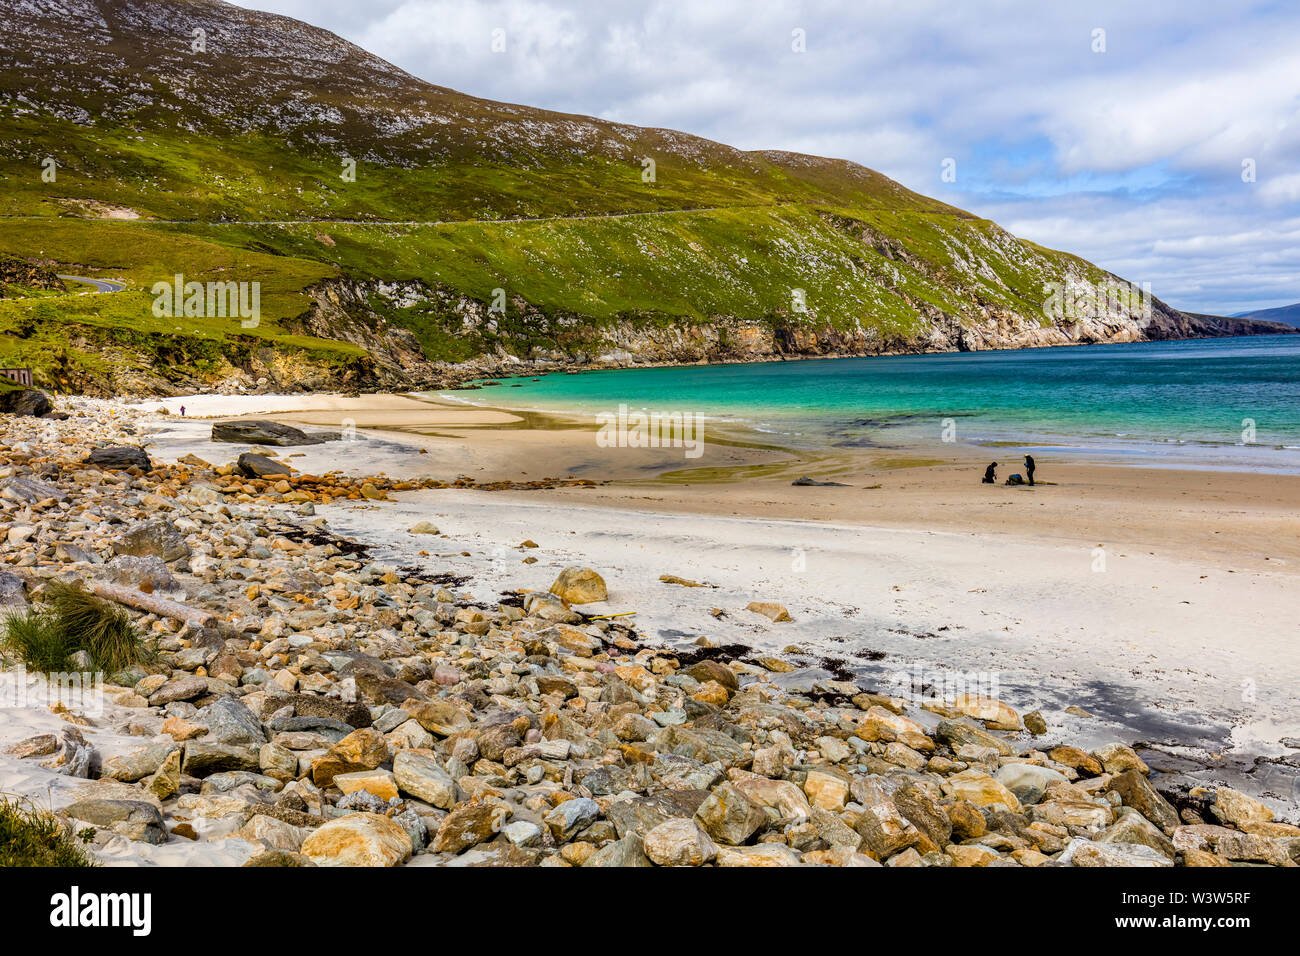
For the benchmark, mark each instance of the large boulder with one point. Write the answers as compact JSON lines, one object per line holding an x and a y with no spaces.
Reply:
{"x":419,"y":773}
{"x":629,"y":851}
{"x":260,"y":432}
{"x":580,"y":586}
{"x":30,"y":490}
{"x":148,"y":573}
{"x":358,"y":839}
{"x":133,"y":819}
{"x":352,"y":713}
{"x":1136,"y":792}
{"x":679,"y":842}
{"x":229,"y":721}
{"x":1234,"y":807}
{"x":203,"y":759}
{"x":363,"y":749}
{"x":119,"y":457}
{"x":728,"y":816}
{"x":156,"y":537}
{"x":1027,"y":781}
{"x":139,"y":764}
{"x":1084,"y":852}
{"x":469,"y":825}
{"x":259,"y":466}
{"x":25,"y":401}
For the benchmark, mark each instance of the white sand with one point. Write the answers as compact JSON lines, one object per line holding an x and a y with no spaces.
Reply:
{"x":1161,"y":649}
{"x":1155,"y":649}
{"x":48,"y":789}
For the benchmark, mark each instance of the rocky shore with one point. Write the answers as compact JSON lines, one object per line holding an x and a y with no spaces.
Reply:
{"x":314,"y":706}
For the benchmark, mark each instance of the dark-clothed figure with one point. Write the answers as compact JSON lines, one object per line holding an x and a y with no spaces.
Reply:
{"x":1029,"y":468}
{"x":990,"y":475}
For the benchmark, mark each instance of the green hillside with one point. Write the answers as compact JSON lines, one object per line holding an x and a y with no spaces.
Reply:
{"x":225,"y":166}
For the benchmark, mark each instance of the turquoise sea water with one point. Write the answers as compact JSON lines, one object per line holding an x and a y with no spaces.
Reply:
{"x":1190,"y":402}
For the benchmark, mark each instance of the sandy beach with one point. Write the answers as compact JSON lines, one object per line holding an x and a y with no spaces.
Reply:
{"x":384,"y":605}
{"x":1157,"y":600}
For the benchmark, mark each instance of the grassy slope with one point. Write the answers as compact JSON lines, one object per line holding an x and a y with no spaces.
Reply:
{"x":734,"y":242}
{"x":80,"y":338}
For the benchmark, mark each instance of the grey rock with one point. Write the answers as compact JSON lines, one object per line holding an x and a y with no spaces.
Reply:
{"x":354,"y":713}
{"x":234,"y":779}
{"x":30,"y":490}
{"x":230,"y":722}
{"x":203,"y":759}
{"x":155,"y":537}
{"x":260,"y":432}
{"x":642,"y":814}
{"x":1027,"y":781}
{"x":420,"y":775}
{"x":629,"y":851}
{"x":185,"y":688}
{"x":259,"y":466}
{"x":330,"y":727}
{"x":570,"y":817}
{"x":956,"y":733}
{"x":133,"y":819}
{"x":144,"y":573}
{"x":77,"y":757}
{"x":1131,"y":827}
{"x":117,"y":457}
{"x":25,"y":401}
{"x":13,"y":591}
{"x":415,"y":828}
{"x":136,"y":766}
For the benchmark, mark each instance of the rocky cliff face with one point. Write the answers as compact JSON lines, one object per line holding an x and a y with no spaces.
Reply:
{"x":346,"y":310}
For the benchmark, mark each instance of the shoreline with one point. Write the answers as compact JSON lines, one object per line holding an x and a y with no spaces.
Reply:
{"x":1194,"y":537}
{"x":1203,"y":514}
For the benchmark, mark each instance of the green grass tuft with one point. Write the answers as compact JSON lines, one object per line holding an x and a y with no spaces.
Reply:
{"x":73,"y":620}
{"x":35,"y":638}
{"x":33,"y":837}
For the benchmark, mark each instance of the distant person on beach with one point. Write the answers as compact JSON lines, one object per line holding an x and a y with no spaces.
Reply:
{"x":1029,"y":468}
{"x":182,"y":411}
{"x":990,"y":476}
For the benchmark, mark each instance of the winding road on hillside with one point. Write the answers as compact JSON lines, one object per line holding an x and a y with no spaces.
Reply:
{"x":100,"y":285}
{"x":405,"y":222}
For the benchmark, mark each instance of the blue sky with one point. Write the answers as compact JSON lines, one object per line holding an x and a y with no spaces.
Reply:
{"x":1131,"y":156}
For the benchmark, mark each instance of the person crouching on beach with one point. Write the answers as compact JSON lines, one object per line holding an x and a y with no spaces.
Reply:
{"x":990,"y":474}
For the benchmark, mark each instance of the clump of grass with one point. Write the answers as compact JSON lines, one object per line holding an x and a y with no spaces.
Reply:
{"x":35,"y":638}
{"x":94,"y":625}
{"x":33,"y":837}
{"x":73,"y":620}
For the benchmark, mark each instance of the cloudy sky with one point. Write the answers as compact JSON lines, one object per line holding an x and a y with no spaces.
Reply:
{"x":1159,"y":139}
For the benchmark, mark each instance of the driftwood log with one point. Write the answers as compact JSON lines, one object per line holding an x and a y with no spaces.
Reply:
{"x":163,"y":607}
{"x":139,"y":600}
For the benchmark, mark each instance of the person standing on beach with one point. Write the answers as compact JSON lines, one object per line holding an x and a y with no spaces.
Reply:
{"x":990,"y":476}
{"x":1029,"y":468}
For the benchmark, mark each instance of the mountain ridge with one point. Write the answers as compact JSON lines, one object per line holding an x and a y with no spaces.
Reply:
{"x":461,"y":205}
{"x":1285,"y":314}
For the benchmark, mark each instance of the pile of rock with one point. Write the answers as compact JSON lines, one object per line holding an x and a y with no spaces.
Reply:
{"x":331,"y":710}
